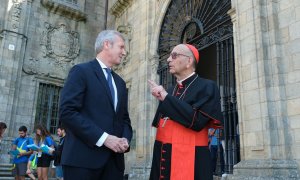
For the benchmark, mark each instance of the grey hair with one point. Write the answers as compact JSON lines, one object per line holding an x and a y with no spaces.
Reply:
{"x":106,"y":35}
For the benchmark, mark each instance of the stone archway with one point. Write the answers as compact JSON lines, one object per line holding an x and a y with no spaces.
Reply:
{"x":205,"y":24}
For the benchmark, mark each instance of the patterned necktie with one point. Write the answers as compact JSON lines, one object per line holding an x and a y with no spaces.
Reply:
{"x":110,"y":85}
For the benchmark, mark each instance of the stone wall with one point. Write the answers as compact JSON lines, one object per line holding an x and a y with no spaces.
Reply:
{"x":266,"y":45}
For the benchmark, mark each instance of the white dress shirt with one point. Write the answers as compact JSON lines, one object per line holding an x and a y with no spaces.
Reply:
{"x":105,"y":135}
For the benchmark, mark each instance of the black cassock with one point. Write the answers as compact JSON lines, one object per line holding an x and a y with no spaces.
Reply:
{"x":194,"y":105}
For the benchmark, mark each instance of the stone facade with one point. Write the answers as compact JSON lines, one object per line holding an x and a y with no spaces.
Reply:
{"x":42,"y":39}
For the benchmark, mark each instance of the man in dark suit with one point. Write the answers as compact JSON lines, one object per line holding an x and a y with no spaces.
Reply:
{"x":93,"y":108}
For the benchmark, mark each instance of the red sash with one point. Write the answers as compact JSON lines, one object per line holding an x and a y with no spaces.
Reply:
{"x":183,"y":142}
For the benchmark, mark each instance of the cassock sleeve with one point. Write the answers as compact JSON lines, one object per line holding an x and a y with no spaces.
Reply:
{"x":197,"y":113}
{"x":183,"y":113}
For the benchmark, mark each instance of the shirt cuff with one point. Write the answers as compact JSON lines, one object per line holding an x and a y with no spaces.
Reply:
{"x":102,"y":139}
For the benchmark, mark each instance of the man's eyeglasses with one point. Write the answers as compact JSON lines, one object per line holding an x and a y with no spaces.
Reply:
{"x":174,"y":55}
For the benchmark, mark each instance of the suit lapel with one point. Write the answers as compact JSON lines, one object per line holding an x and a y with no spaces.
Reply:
{"x":100,"y":75}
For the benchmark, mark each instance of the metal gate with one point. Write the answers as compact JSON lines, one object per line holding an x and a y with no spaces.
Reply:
{"x":206,"y":24}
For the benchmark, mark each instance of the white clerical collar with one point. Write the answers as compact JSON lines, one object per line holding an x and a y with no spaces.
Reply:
{"x":180,"y":82}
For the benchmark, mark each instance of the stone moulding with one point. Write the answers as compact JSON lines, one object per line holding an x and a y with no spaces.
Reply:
{"x":119,"y":7}
{"x":69,"y":11}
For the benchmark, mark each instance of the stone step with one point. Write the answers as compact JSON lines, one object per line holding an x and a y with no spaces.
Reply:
{"x":5,"y":165}
{"x":5,"y":174}
{"x":9,"y":178}
{"x":5,"y":168}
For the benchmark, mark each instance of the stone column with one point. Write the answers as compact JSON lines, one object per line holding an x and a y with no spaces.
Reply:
{"x":145,"y":68}
{"x":261,"y":30}
{"x":12,"y":51}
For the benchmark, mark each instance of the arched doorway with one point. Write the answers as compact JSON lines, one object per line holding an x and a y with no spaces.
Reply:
{"x":205,"y":24}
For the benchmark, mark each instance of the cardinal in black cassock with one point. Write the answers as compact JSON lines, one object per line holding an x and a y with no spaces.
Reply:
{"x":185,"y":113}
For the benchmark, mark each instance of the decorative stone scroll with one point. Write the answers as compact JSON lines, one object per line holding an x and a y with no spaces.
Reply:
{"x":59,"y":43}
{"x":119,"y":7}
{"x":16,"y":14}
{"x":31,"y":67}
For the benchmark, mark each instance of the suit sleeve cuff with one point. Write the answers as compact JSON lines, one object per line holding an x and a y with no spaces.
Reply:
{"x":102,"y":139}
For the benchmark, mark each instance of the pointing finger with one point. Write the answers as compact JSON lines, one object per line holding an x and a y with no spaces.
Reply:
{"x":152,"y":83}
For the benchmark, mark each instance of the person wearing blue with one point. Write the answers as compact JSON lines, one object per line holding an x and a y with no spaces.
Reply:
{"x":215,"y":136}
{"x":31,"y":166}
{"x":21,"y":154}
{"x":43,"y":138}
{"x":94,"y":111}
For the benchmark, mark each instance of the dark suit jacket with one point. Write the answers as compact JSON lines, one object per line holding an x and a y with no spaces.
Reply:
{"x":86,"y":110}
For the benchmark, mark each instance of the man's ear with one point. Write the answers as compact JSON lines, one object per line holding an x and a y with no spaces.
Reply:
{"x":106,"y":44}
{"x":190,"y":62}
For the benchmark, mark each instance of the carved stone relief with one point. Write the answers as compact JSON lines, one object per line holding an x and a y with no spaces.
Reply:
{"x":16,"y":13}
{"x":69,"y":10}
{"x":126,"y":32}
{"x":119,"y":7}
{"x":59,"y":43}
{"x":59,"y":48}
{"x":31,"y":67}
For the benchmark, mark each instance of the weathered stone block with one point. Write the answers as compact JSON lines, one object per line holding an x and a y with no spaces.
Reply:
{"x":265,"y":170}
{"x":293,"y":107}
{"x":294,"y":31}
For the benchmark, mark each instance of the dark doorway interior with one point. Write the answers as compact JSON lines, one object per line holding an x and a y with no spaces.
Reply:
{"x":207,"y":66}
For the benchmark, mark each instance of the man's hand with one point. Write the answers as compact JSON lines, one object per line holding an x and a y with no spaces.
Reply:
{"x":118,"y":145}
{"x":157,"y":90}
